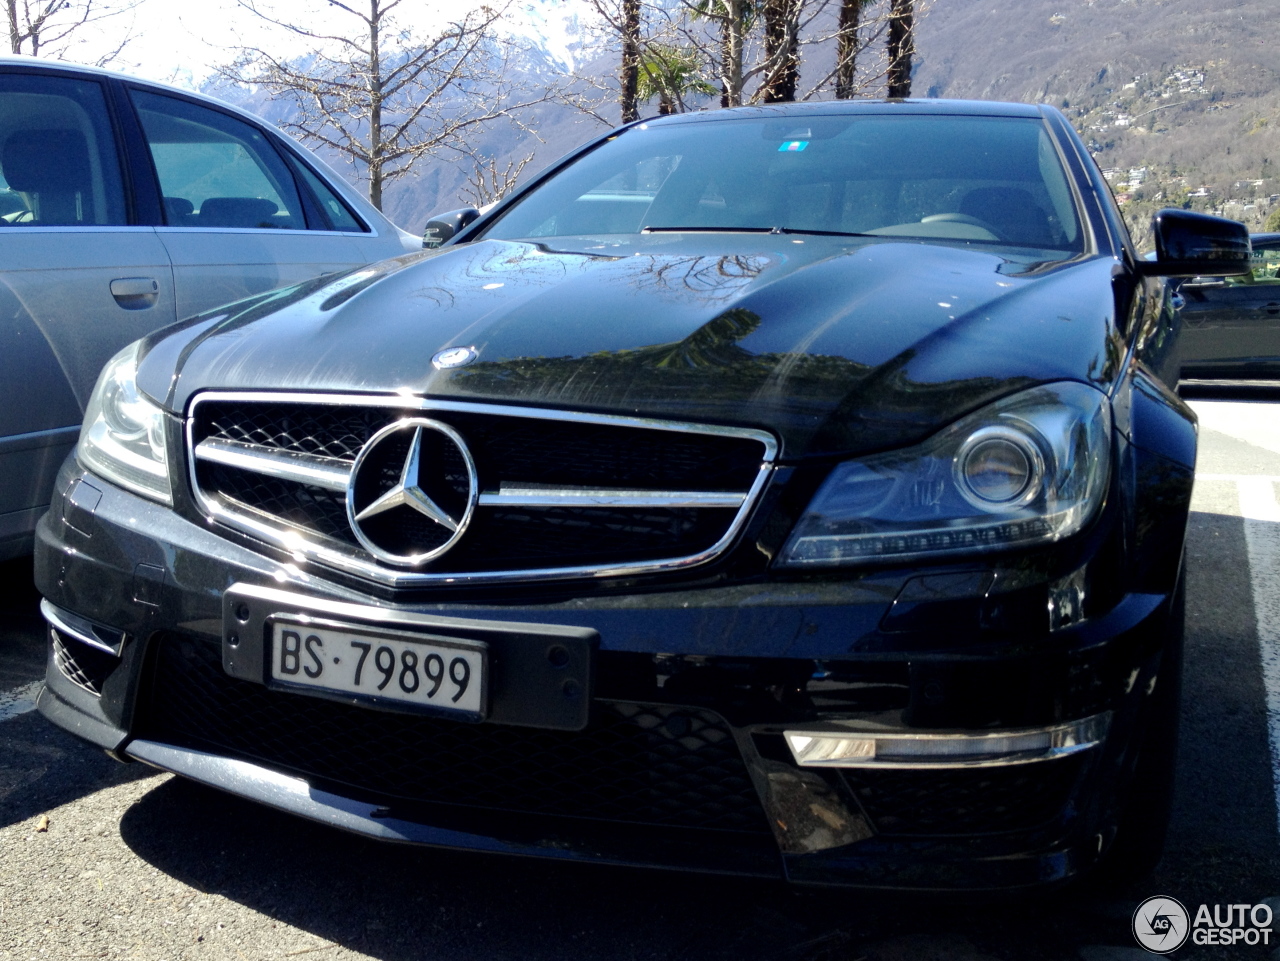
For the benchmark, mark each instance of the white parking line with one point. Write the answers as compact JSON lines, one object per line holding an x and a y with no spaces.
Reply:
{"x":1261,"y":516}
{"x":19,"y":701}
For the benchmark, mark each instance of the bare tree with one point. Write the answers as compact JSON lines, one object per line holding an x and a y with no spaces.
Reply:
{"x":52,"y":28}
{"x":487,"y":184}
{"x":733,"y":20}
{"x":901,"y":47}
{"x":863,"y":50}
{"x":737,"y":55}
{"x":625,"y":19}
{"x":381,"y":96}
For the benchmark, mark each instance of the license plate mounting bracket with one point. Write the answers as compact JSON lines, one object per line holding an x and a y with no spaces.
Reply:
{"x":540,"y":675}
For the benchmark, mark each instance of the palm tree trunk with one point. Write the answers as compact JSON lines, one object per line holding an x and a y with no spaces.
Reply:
{"x":847,"y":48}
{"x":15,"y":38}
{"x":732,"y":41}
{"x":782,"y":50}
{"x":901,"y":48}
{"x":630,"y":60}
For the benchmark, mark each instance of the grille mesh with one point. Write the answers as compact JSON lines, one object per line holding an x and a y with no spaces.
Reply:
{"x":959,"y":801}
{"x":84,"y":666}
{"x":507,"y":450}
{"x":650,"y":764}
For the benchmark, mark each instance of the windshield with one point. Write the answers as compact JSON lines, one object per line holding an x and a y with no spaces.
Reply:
{"x":994,"y":180}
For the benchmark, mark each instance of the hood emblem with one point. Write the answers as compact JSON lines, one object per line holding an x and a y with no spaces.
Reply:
{"x":413,"y":490}
{"x":452,"y":357}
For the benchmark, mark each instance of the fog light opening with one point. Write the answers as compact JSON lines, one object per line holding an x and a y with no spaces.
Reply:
{"x":1066,"y":600}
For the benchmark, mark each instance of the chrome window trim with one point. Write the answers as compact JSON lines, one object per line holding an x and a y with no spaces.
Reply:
{"x":303,"y":548}
{"x":273,"y":231}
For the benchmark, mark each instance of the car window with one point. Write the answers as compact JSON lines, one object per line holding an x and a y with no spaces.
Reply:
{"x":1265,"y":269}
{"x":340,"y":218}
{"x":978,"y":179}
{"x":58,"y":163}
{"x":215,"y":170}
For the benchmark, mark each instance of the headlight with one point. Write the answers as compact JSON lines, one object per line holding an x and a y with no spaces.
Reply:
{"x":1032,"y":468}
{"x":123,"y":434}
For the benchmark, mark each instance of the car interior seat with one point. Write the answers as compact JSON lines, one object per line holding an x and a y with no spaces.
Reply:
{"x":1014,"y":214}
{"x":237,"y":212}
{"x":53,"y":167}
{"x":178,"y":211}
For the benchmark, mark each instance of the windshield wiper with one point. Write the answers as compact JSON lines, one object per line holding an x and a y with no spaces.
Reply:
{"x":704,"y":230}
{"x":820,"y":233}
{"x":750,"y":230}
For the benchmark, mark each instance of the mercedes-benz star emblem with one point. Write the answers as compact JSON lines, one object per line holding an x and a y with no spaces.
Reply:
{"x":413,"y":490}
{"x":452,"y":357}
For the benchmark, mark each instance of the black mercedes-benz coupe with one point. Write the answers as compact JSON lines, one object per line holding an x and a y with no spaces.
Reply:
{"x":791,"y":491}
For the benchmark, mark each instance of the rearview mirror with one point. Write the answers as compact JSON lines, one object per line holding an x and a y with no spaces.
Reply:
{"x":442,"y":227}
{"x":1197,"y":245}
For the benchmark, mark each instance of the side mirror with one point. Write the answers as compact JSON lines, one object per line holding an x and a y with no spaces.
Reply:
{"x":442,"y":227}
{"x":1197,"y":245}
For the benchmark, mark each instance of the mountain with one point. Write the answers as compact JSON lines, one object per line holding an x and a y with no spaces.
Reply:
{"x":1178,"y":99}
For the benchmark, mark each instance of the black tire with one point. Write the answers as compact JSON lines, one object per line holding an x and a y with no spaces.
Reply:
{"x":1143,"y":823}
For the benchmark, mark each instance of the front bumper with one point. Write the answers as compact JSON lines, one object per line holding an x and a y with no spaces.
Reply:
{"x":684,"y":763}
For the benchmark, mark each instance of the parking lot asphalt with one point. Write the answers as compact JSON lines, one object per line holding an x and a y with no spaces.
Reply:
{"x":104,"y":860}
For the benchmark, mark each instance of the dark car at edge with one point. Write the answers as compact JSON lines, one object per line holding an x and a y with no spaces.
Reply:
{"x":792,"y":491}
{"x":1231,"y":325}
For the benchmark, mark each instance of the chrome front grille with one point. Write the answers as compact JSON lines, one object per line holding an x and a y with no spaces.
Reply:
{"x":556,"y":493}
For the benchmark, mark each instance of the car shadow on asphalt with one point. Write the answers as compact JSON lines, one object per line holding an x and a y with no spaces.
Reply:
{"x":43,"y":768}
{"x":22,"y":643}
{"x":393,"y":902}
{"x":1223,"y":844}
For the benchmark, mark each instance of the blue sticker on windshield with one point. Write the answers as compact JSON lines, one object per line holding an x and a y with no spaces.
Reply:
{"x":793,"y":146}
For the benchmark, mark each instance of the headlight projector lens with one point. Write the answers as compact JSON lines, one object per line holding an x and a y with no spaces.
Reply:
{"x":999,"y":469}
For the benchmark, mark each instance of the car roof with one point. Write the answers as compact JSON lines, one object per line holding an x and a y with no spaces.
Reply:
{"x":827,"y":108}
{"x":62,"y":66}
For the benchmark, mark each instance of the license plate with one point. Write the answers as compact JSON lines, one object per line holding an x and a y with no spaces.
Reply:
{"x":429,"y":672}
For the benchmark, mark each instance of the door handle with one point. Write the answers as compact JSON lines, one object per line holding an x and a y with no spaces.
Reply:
{"x":135,"y":293}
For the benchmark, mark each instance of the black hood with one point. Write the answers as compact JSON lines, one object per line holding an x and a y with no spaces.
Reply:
{"x":838,"y":346}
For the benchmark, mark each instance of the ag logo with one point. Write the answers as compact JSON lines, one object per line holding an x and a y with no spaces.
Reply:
{"x":1161,"y":925}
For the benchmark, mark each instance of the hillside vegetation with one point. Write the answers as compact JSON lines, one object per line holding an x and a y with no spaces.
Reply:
{"x":1179,"y":100}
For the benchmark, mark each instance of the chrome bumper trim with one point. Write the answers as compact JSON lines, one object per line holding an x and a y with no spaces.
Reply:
{"x":86,"y":632}
{"x":882,"y":749}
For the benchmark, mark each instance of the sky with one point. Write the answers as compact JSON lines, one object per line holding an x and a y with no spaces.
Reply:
{"x":181,"y":41}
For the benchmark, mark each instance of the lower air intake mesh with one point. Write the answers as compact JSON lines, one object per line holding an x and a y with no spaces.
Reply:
{"x":649,"y":764}
{"x":965,"y":801}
